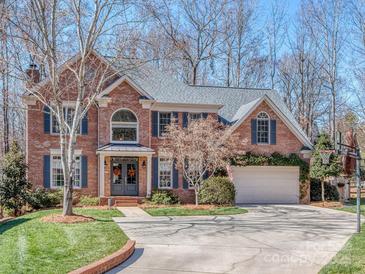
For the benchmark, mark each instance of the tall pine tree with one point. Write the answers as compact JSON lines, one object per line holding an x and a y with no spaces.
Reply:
{"x":322,"y":171}
{"x":14,"y":186}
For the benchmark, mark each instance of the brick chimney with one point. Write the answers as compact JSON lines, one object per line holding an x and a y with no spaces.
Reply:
{"x":33,"y":74}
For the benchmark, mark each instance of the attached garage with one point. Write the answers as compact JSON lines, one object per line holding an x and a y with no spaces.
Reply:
{"x":266,"y":184}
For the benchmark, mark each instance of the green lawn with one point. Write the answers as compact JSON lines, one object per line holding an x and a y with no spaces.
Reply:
{"x":28,"y":245}
{"x":183,"y":211}
{"x":351,"y":206}
{"x":351,"y":259}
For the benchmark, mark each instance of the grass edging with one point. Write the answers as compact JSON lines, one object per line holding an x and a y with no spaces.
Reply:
{"x":108,"y":262}
{"x":5,"y":220}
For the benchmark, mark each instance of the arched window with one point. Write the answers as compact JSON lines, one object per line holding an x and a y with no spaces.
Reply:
{"x":263,"y":128}
{"x":124,"y":127}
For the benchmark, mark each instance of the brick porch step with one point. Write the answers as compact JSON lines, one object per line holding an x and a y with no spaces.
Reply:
{"x":123,"y":200}
{"x":126,"y":201}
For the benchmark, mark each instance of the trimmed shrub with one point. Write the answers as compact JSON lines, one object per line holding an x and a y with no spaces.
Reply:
{"x":14,"y":186}
{"x":164,"y":197}
{"x":40,"y":198}
{"x":217,"y":191}
{"x":330,"y":191}
{"x":86,"y":200}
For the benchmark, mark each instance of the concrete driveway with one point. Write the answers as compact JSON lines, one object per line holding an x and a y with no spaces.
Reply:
{"x":269,"y":239}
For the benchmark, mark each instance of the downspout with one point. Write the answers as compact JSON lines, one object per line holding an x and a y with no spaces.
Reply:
{"x":97,"y":132}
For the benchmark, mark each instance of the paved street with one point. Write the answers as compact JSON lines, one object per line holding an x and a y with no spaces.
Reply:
{"x":269,"y":239}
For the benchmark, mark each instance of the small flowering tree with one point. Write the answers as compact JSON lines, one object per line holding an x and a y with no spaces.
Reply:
{"x":200,"y":149}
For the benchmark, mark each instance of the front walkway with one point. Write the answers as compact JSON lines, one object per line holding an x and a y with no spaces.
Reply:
{"x":269,"y":239}
{"x":133,"y":211}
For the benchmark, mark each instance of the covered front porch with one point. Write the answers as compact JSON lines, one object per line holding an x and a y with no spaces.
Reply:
{"x":124,"y":171}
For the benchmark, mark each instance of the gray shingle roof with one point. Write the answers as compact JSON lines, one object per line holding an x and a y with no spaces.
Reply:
{"x":125,"y":148}
{"x":236,"y":102}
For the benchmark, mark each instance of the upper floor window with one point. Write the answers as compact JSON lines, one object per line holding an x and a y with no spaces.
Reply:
{"x":164,"y":120}
{"x":263,"y":128}
{"x":69,"y":113}
{"x":124,"y":127}
{"x":195,"y":116}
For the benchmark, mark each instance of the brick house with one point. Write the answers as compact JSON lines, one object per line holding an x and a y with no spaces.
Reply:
{"x":117,"y":148}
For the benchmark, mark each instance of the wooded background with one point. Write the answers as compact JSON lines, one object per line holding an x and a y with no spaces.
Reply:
{"x":312,"y":53}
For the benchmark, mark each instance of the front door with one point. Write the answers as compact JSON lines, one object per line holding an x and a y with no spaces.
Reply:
{"x":124,"y":175}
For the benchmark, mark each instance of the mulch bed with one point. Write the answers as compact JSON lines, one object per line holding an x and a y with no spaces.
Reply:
{"x":327,"y":204}
{"x":96,"y":207}
{"x":73,"y":219}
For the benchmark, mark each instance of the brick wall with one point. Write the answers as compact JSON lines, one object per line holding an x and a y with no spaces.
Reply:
{"x":124,"y":96}
{"x":286,"y":141}
{"x":40,"y":144}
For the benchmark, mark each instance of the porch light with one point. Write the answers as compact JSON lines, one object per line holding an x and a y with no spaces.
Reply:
{"x":143,"y":163}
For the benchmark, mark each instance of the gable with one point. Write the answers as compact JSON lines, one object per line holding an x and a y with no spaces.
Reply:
{"x":120,"y":81}
{"x":267,"y":105}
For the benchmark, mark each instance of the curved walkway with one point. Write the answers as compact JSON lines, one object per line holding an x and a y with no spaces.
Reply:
{"x":269,"y":239}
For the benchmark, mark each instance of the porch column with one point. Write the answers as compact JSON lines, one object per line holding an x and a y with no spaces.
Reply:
{"x":101,"y":175}
{"x":149,"y":175}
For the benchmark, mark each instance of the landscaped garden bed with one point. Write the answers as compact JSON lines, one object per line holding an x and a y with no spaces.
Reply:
{"x":328,"y":204}
{"x":30,"y":245}
{"x":191,"y":210}
{"x":351,"y":206}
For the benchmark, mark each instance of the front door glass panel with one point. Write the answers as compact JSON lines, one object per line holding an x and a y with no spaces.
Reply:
{"x":124,"y":175}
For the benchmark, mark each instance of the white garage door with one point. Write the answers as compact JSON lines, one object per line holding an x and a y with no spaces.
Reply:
{"x":266,"y":184}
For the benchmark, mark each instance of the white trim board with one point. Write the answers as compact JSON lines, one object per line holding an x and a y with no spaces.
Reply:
{"x":122,"y":79}
{"x":126,"y":153}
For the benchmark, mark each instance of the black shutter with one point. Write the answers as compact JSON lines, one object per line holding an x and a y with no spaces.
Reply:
{"x":84,"y":171}
{"x":84,"y":125}
{"x":205,"y":175}
{"x":47,"y":120}
{"x":175,"y":116}
{"x":205,"y":115}
{"x":154,"y":124}
{"x":185,"y":119}
{"x":46,"y":171}
{"x":175,"y":176}
{"x":273,"y":132}
{"x":253,"y":131}
{"x":154,"y":172}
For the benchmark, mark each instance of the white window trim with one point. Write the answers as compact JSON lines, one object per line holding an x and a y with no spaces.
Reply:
{"x":66,"y":104}
{"x":269,"y":128}
{"x":51,"y":171}
{"x":190,"y":113}
{"x":172,"y":176}
{"x":158,"y":124}
{"x":126,"y":124}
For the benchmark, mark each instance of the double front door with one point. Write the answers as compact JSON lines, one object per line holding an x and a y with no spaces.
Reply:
{"x":124,"y":175}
